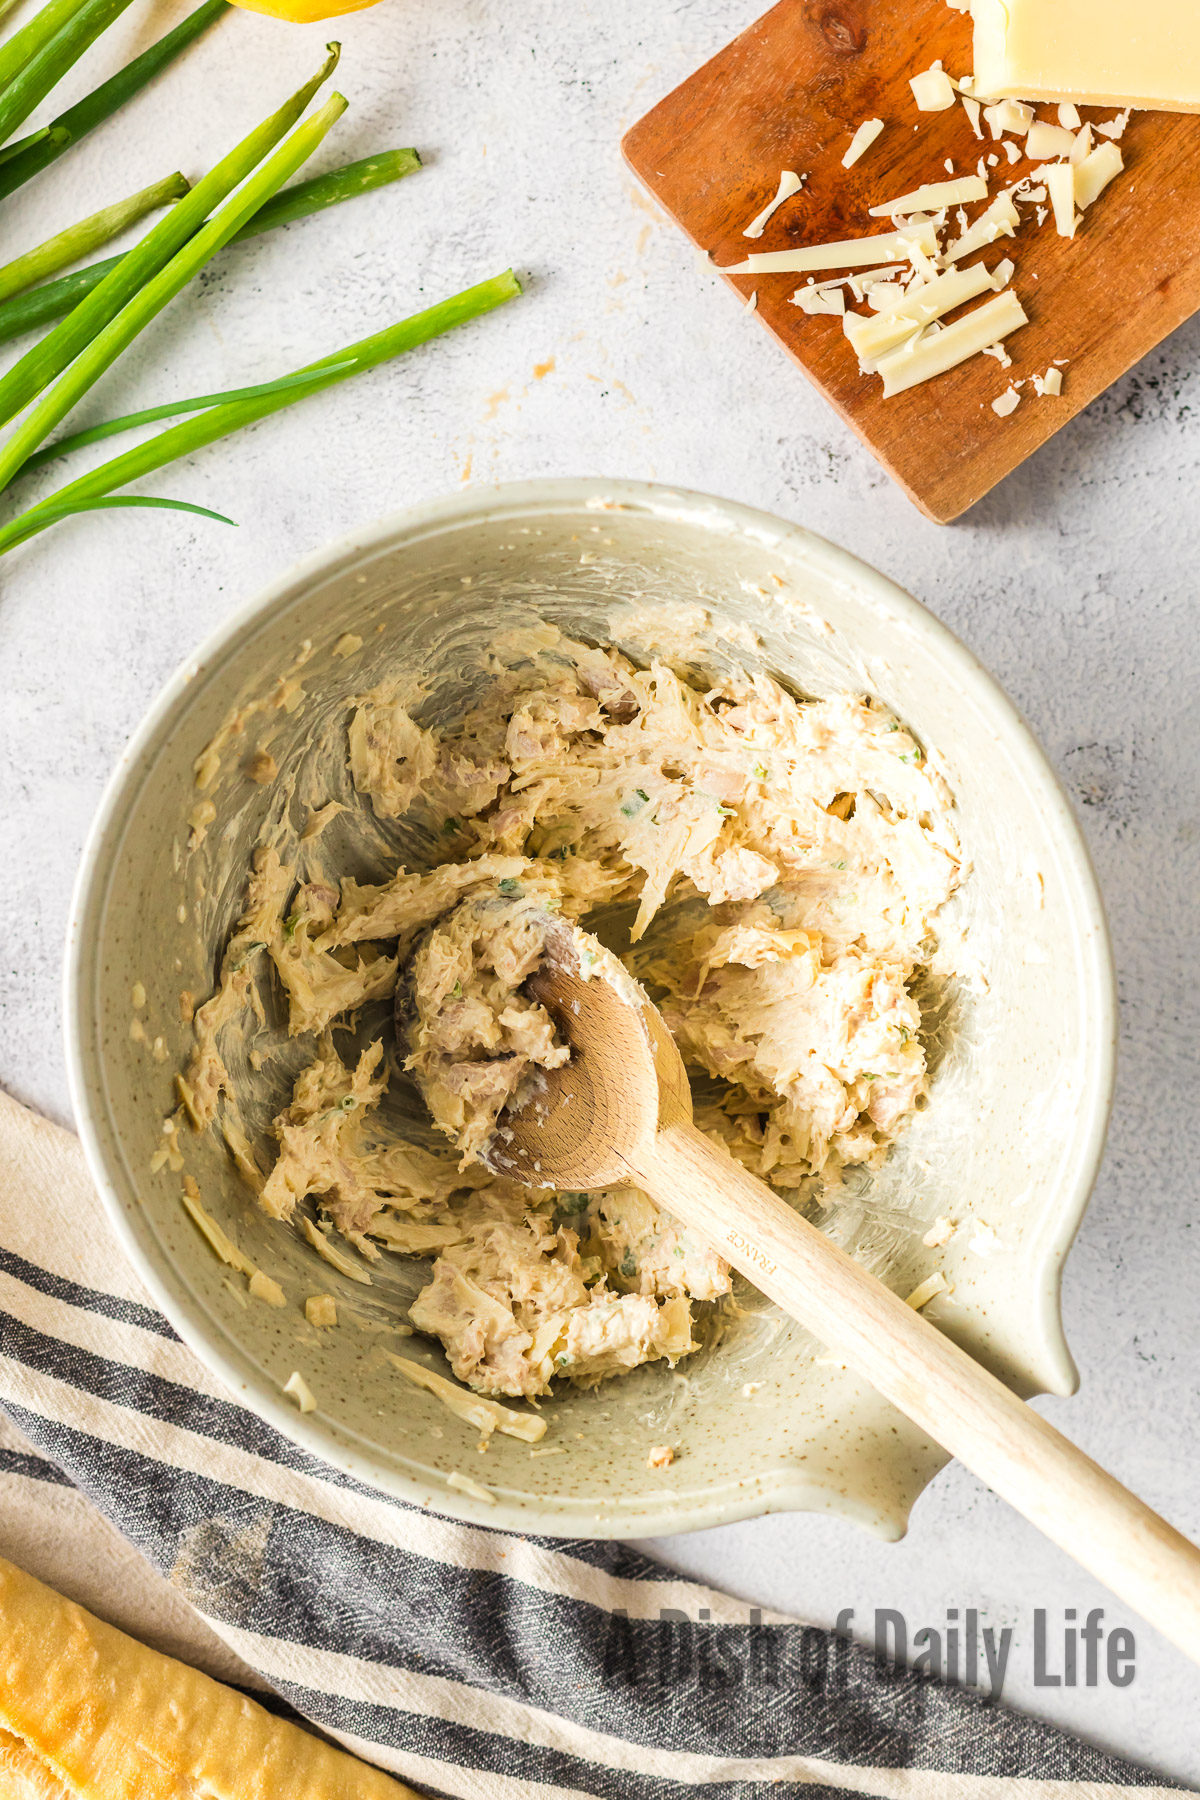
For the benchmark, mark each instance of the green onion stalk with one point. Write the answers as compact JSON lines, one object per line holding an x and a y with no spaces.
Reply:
{"x":47,"y":66}
{"x":87,"y":235}
{"x":54,"y":299}
{"x":103,"y":349}
{"x":127,"y":282}
{"x":219,"y":421}
{"x":22,"y":160}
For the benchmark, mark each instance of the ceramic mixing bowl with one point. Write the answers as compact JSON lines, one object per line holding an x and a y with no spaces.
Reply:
{"x":1021,"y":1047}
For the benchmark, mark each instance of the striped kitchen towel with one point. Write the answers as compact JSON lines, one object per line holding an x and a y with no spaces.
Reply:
{"x":468,"y":1662}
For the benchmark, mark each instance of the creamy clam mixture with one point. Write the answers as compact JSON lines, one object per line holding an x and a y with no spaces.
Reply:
{"x":769,"y":867}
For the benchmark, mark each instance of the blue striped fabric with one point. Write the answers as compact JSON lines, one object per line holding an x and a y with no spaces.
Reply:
{"x":468,"y":1662}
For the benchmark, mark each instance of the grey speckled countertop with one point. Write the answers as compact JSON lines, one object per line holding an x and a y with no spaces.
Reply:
{"x":1075,"y":582}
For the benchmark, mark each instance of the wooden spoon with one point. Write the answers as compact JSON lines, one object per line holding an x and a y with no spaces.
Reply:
{"x":620,"y":1111}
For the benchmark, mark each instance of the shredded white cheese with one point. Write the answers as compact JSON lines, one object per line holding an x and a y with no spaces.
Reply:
{"x":466,"y":1484}
{"x":485,"y":1415}
{"x":985,"y":1242}
{"x":1068,"y":115}
{"x":850,"y":253}
{"x":1009,"y":115}
{"x":861,"y":142}
{"x":222,"y":1244}
{"x":1048,"y":140}
{"x":973,"y":110}
{"x":933,"y":195}
{"x":932,"y":90}
{"x":1007,"y":402}
{"x":1114,"y":128}
{"x":820,"y":299}
{"x":263,"y":1288}
{"x":1060,"y":185}
{"x":1095,"y":172}
{"x":873,"y":338}
{"x":986,"y":324}
{"x":1000,"y":220}
{"x":298,"y":1389}
{"x":939,"y":1233}
{"x":1049,"y":383}
{"x":789,"y":183}
{"x":922,"y":1295}
{"x":337,"y":1259}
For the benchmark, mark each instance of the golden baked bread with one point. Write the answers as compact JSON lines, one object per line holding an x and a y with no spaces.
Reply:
{"x":87,"y":1713}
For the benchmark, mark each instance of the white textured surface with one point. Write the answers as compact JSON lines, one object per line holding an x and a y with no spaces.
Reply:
{"x":1075,"y":584}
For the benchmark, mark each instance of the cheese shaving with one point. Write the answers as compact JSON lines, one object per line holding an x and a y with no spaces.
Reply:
{"x":1060,"y":185}
{"x":298,"y":1389}
{"x":850,"y":253}
{"x":932,"y":90}
{"x":467,"y":1484}
{"x":1049,"y":383}
{"x":222,"y":1244}
{"x":1000,"y":220}
{"x":337,"y":1259}
{"x":789,"y":183}
{"x":485,"y":1415}
{"x":922,"y":1295}
{"x":1068,"y":115}
{"x":972,"y":109}
{"x":263,"y":1288}
{"x":873,"y":338}
{"x":1095,"y":172}
{"x":1114,"y":128}
{"x":1007,"y":402}
{"x":1049,"y":140}
{"x":986,"y":324}
{"x":933,"y":195}
{"x":861,"y":142}
{"x":1009,"y":115}
{"x":820,"y":299}
{"x":1082,"y":147}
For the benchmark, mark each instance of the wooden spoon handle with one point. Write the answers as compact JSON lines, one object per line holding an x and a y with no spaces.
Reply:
{"x":1077,"y":1504}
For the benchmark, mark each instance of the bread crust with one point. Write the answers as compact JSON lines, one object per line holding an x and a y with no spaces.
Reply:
{"x":87,"y":1713}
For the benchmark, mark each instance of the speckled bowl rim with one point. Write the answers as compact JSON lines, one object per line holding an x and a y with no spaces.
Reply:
{"x":779,"y":1491}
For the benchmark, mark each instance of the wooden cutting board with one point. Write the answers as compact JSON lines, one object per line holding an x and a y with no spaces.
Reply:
{"x":788,"y":94}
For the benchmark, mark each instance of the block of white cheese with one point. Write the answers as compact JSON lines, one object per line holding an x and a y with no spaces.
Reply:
{"x":1143,"y":53}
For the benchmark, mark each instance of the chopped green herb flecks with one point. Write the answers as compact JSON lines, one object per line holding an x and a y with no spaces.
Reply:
{"x":629,"y":1266}
{"x":632,"y":807}
{"x":511,"y":888}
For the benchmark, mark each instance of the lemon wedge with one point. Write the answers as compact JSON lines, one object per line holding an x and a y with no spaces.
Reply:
{"x":303,"y":12}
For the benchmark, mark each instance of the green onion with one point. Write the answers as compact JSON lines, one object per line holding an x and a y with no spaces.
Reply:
{"x":87,"y":235}
{"x":119,"y":333}
{"x":19,"y":147}
{"x":46,"y":68}
{"x":67,"y":512}
{"x":219,"y":421}
{"x":321,"y":191}
{"x":95,"y":434}
{"x":39,"y":366}
{"x":22,"y":161}
{"x":23,"y":45}
{"x":56,"y":298}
